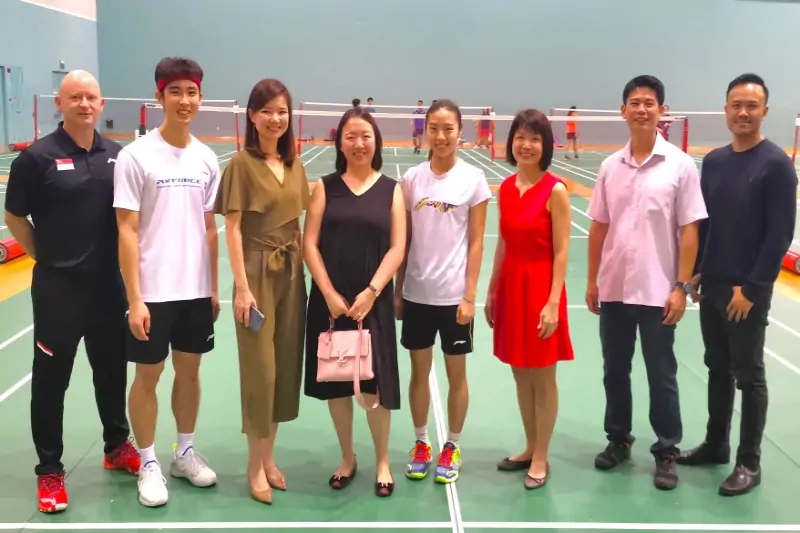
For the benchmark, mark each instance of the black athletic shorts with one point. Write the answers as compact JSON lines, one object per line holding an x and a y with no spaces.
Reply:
{"x":421,"y":323}
{"x":185,"y":326}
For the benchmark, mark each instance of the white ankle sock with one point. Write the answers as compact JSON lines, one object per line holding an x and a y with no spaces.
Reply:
{"x":453,"y":437}
{"x":148,"y":455}
{"x":422,"y":434}
{"x":184,"y":442}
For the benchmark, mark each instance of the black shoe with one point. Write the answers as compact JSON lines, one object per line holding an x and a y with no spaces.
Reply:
{"x":741,"y":481}
{"x":613,"y":456}
{"x":666,"y":475}
{"x":705,"y":454}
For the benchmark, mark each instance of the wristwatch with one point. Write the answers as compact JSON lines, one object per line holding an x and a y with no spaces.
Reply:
{"x":687,"y":288}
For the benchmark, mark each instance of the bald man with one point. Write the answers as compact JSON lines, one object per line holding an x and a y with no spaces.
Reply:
{"x":59,"y":206}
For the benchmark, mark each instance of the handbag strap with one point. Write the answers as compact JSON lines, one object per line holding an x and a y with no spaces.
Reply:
{"x":357,"y":375}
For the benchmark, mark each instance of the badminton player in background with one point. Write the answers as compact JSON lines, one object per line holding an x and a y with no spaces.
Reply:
{"x":447,"y":200}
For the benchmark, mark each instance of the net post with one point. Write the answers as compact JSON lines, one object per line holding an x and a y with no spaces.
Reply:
{"x":236,"y":125}
{"x":796,"y":135}
{"x":300,"y":131}
{"x":685,"y":140}
{"x":143,"y":120}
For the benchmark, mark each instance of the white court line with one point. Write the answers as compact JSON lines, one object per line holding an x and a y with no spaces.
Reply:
{"x":605,"y":526}
{"x":111,"y":526}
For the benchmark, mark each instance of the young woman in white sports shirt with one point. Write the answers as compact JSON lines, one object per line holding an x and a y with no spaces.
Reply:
{"x":447,"y":200}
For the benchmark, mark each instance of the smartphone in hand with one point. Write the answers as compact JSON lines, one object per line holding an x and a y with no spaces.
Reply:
{"x":256,"y":319}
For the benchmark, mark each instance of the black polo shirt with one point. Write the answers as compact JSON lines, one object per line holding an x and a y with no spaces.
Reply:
{"x":69,"y":193}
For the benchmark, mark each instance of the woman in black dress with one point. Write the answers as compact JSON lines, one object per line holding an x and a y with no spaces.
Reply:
{"x":354,"y":242}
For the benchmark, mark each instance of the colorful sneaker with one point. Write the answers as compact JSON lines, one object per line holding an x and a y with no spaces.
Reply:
{"x":192,"y":467}
{"x":421,"y":458}
{"x":126,"y":457}
{"x":449,"y":463}
{"x":52,"y":493}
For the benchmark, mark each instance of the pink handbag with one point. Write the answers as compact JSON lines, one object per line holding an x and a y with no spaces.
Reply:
{"x":346,"y":356}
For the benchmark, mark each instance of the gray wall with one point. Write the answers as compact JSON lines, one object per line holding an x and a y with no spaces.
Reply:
{"x":36,"y":39}
{"x":505,"y":53}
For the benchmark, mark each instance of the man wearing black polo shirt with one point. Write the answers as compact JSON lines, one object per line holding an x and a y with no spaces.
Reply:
{"x":750,"y":189}
{"x":65,"y":183}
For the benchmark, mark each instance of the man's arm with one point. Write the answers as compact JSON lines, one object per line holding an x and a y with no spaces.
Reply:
{"x":20,"y":195}
{"x":599,"y":213}
{"x":780,"y":197}
{"x":691,"y":210}
{"x":128,"y":183}
{"x":212,"y":233}
{"x":703,"y":226}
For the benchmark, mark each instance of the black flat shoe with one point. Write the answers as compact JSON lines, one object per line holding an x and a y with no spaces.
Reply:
{"x":509,"y":465}
{"x":383,"y":489}
{"x":340,"y":482}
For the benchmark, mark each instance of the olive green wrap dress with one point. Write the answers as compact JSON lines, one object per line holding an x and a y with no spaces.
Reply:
{"x":270,"y":360}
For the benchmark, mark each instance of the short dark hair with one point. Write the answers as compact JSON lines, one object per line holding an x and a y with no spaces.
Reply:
{"x":358,"y":112}
{"x":356,"y":102}
{"x":746,"y":78}
{"x":263,"y":92}
{"x":645,"y":81}
{"x":170,"y":69}
{"x":534,"y":121}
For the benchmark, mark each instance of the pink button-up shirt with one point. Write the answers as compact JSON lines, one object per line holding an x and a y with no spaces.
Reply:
{"x":644,"y":207}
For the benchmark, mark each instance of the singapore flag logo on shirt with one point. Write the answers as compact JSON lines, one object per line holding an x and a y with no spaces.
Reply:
{"x":64,"y":164}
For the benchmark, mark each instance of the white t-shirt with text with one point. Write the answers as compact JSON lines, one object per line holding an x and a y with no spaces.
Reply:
{"x":172,"y":189}
{"x":439,"y":205}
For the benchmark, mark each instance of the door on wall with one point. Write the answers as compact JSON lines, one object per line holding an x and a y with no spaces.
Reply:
{"x":15,"y":126}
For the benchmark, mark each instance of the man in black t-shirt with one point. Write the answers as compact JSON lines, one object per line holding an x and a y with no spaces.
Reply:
{"x":65,"y":183}
{"x":750,"y":190}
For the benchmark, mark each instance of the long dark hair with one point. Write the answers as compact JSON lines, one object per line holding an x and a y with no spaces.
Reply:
{"x":262,"y":93}
{"x":449,"y":105}
{"x":358,"y":112}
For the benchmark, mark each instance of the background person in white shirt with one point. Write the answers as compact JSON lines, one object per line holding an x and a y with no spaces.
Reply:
{"x":447,"y":200}
{"x":165,"y":184}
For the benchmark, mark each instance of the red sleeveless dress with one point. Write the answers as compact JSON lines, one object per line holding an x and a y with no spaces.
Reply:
{"x":526,"y":274}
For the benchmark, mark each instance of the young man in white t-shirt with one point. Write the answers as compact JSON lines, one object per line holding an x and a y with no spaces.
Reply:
{"x":447,"y":200}
{"x":165,"y":184}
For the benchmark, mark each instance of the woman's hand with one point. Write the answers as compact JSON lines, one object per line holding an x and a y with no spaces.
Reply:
{"x":548,"y":320}
{"x":242,"y":301}
{"x":488,"y":310}
{"x":362,"y":305}
{"x":337,"y":305}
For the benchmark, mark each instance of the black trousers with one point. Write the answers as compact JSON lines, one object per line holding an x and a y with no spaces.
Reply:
{"x":618,"y":326}
{"x":734,"y":355}
{"x":68,"y":307}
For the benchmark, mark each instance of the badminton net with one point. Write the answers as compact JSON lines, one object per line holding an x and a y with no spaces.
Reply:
{"x":599,"y":133}
{"x":122,"y":118}
{"x":709,"y":129}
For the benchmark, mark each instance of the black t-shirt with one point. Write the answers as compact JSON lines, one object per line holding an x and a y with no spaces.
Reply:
{"x":68,"y":192}
{"x":751,"y":198}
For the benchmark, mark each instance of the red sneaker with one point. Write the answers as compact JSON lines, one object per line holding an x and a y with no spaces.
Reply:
{"x":52,"y":493}
{"x":126,"y":457}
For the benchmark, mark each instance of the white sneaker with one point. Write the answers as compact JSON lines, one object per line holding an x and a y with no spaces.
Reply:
{"x":192,"y":467}
{"x":152,"y":486}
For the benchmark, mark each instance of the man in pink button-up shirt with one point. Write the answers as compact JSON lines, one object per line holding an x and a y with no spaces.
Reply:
{"x":643,"y":243}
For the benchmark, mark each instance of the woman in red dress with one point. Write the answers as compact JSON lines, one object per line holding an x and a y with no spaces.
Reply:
{"x":526,"y":303}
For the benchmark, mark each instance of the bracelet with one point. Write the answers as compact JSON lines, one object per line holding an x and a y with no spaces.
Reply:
{"x":468,"y":300}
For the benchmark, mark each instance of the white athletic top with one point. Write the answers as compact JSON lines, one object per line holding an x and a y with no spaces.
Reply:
{"x":172,"y":189}
{"x":436,"y":267}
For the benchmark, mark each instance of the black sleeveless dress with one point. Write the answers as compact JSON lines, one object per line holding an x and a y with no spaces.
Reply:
{"x":354,"y":237}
